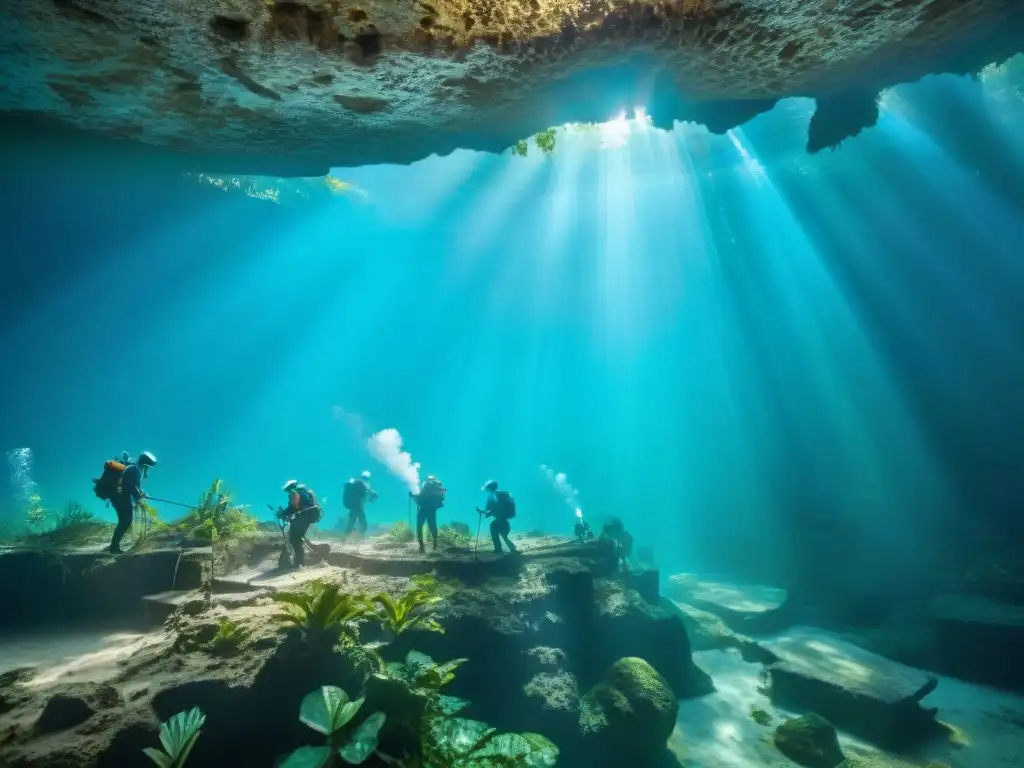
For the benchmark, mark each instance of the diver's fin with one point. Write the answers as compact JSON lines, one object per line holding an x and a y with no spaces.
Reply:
{"x":840,"y":117}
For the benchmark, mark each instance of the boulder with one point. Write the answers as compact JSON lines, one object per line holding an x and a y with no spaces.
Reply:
{"x":628,"y":625}
{"x":871,"y":697}
{"x":628,"y":717}
{"x":810,"y":741}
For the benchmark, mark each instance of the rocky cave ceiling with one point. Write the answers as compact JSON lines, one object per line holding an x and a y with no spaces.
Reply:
{"x":294,"y":87}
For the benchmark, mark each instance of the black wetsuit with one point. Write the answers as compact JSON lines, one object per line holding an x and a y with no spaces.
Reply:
{"x":306,"y":512}
{"x":297,"y":529}
{"x":428,"y":501}
{"x":501,"y":525}
{"x":124,"y":503}
{"x":357,"y":512}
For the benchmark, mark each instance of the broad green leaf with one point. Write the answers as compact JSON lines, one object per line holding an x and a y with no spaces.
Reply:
{"x":158,"y":757}
{"x":417,"y":660}
{"x":323,"y":709}
{"x":308,"y":757}
{"x":349,"y":711}
{"x":182,"y":756}
{"x":458,"y":734}
{"x":180,"y":730}
{"x":451,"y":705}
{"x":363,"y":740}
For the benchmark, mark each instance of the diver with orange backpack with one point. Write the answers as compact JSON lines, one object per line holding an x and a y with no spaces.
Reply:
{"x":121,"y":486}
{"x":302,"y":511}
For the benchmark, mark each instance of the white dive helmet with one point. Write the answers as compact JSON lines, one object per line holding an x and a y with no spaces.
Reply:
{"x":366,"y":476}
{"x":291,"y":485}
{"x":146,"y":459}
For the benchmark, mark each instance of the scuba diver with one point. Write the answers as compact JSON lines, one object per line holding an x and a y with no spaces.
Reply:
{"x":622,"y":541}
{"x":502,"y":507}
{"x":429,"y":499}
{"x":357,"y":492}
{"x":581,"y":530}
{"x":302,"y":511}
{"x":121,"y":486}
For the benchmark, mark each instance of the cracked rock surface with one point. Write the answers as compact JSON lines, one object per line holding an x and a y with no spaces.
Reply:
{"x":292,"y":87}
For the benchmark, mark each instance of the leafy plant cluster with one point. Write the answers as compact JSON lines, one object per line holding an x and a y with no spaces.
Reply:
{"x":545,"y":141}
{"x":412,"y":690}
{"x":323,"y":613}
{"x":443,"y":740}
{"x":72,"y":526}
{"x":453,"y":537}
{"x":215,"y":517}
{"x":399,"y":534}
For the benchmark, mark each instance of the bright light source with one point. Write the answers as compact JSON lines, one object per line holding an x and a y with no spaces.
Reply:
{"x":642,"y":119}
{"x":615,"y":132}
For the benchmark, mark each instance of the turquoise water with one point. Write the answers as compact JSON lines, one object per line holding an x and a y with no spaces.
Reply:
{"x":717,"y":339}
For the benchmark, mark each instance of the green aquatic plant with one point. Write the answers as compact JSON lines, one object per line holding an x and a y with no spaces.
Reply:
{"x":450,"y":537}
{"x":413,"y":610}
{"x":74,"y":526}
{"x":421,"y":672}
{"x":322,"y":612}
{"x":364,"y":658}
{"x":37,"y":517}
{"x":327,"y":711}
{"x":457,"y":742}
{"x":74,"y":514}
{"x":545,"y":141}
{"x":215,"y":517}
{"x":400,"y":533}
{"x":444,"y":740}
{"x":177,"y":735}
{"x":229,"y":638}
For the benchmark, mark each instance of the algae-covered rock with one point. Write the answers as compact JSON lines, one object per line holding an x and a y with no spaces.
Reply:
{"x":810,"y":741}
{"x":631,"y":711}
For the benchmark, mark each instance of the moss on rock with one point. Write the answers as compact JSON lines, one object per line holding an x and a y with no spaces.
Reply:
{"x":810,"y":741}
{"x":634,"y":703}
{"x":555,"y":691}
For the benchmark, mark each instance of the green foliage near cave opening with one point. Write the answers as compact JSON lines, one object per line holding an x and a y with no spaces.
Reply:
{"x":545,"y":141}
